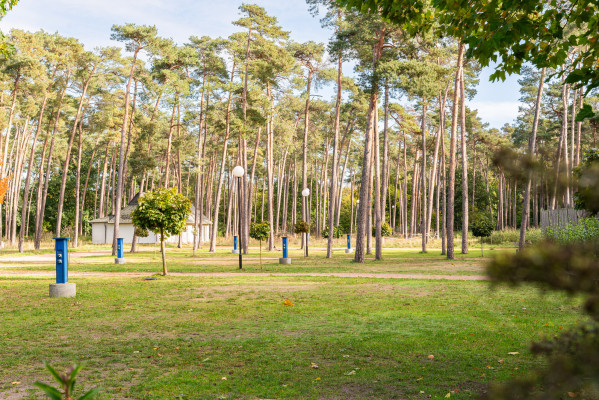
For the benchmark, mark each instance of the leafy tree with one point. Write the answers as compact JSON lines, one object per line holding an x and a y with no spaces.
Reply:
{"x":163,"y":211}
{"x":5,"y":6}
{"x":302,"y":227}
{"x":260,"y":231}
{"x":482,"y":227}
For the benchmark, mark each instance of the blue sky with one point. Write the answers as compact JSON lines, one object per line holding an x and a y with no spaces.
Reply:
{"x":90,"y":22}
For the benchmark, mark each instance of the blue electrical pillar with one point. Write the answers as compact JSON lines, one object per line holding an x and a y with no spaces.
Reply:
{"x":349,"y":249}
{"x":235,"y":250}
{"x":62,"y":287}
{"x":119,"y":252}
{"x":285,"y":259}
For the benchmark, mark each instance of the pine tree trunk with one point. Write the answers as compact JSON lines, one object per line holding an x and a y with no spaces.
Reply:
{"x":465,"y":207}
{"x":531,"y":152}
{"x":452,"y":157}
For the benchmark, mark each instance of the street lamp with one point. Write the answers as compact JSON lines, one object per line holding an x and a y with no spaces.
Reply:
{"x":306,"y":193}
{"x":238,"y":172}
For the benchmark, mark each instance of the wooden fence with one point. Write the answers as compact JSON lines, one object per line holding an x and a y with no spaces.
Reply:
{"x":561,"y":217}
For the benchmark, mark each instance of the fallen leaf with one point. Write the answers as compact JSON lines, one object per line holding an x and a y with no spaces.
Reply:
{"x":483,"y":376}
{"x":16,"y":383}
{"x":352,"y":372}
{"x":571,"y":394}
{"x":288,"y":303}
{"x":314,"y":365}
{"x":224,"y":378}
{"x":500,"y":361}
{"x":317,"y":379}
{"x":448,"y":395}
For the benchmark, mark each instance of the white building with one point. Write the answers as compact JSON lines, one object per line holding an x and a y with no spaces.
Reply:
{"x":103,"y":228}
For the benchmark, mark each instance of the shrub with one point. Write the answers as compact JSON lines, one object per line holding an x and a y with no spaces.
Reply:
{"x":586,"y":230}
{"x":385,"y":230}
{"x":336,"y":232}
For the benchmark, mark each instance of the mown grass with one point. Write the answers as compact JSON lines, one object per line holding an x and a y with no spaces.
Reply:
{"x":232,"y":338}
{"x":407,"y":261}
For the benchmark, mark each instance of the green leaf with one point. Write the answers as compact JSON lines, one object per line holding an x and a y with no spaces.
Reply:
{"x":51,"y":392}
{"x":76,"y":369}
{"x":54,"y":373}
{"x":586,"y":112}
{"x":90,"y":395}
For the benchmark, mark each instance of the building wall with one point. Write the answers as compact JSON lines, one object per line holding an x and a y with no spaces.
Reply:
{"x":102,"y":234}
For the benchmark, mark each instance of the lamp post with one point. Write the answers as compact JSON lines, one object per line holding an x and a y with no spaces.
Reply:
{"x":238,"y":172}
{"x":305,"y":194}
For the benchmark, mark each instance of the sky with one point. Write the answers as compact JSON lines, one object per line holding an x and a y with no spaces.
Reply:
{"x":90,"y":22}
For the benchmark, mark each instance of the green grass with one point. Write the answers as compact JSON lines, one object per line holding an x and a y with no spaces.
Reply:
{"x":179,"y":337}
{"x":406,"y":261}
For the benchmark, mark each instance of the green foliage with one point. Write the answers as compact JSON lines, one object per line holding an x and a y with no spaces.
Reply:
{"x":163,"y":211}
{"x":337,"y":232}
{"x":541,"y":32}
{"x":67,"y":384}
{"x":587,"y":173}
{"x":385,"y":230}
{"x":587,"y":229}
{"x":7,"y":5}
{"x":512,"y":236}
{"x":572,"y":267}
{"x":260,"y":230}
{"x":142,"y":233}
{"x":302,"y":227}
{"x":481,"y":225}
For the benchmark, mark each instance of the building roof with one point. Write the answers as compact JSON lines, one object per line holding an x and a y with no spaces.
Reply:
{"x":127,"y":211}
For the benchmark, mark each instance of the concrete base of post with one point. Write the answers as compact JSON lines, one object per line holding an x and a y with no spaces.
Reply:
{"x":349,"y":250}
{"x":235,"y":251}
{"x":120,"y":261}
{"x":284,"y":260}
{"x":63,"y":289}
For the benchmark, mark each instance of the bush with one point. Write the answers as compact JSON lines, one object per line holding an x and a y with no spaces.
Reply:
{"x":336,"y":232}
{"x":586,"y":230}
{"x":511,"y":236}
{"x":385,"y":230}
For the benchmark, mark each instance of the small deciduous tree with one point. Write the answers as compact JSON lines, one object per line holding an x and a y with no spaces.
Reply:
{"x":163,"y":211}
{"x":302,"y":227}
{"x":260,"y":231}
{"x":482,"y":227}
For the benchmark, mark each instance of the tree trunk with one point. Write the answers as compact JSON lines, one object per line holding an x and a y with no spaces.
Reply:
{"x":119,"y":185}
{"x":531,"y":152}
{"x":465,"y":207}
{"x":452,"y":156}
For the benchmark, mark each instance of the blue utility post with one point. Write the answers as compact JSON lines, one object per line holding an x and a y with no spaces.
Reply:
{"x":62,"y":287}
{"x":235,"y":249}
{"x":349,"y":249}
{"x":119,"y":252}
{"x":285,"y":259}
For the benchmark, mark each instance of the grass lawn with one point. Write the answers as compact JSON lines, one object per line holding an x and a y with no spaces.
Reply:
{"x":407,"y":261}
{"x":183,"y":337}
